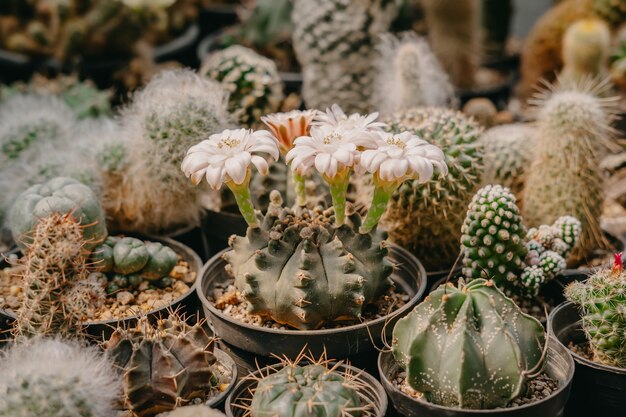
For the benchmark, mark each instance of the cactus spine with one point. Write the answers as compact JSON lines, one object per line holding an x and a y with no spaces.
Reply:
{"x":469,"y":347}
{"x":586,"y":49}
{"x":57,"y":378}
{"x":434,"y":210}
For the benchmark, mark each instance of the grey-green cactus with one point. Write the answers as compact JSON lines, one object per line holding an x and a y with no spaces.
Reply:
{"x":305,"y":390}
{"x":301,"y":270}
{"x":57,"y":378}
{"x":427,"y":218}
{"x":601,"y":300}
{"x":335,"y":42}
{"x":469,"y":346}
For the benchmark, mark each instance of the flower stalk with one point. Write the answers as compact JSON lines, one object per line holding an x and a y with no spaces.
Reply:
{"x":338,"y":189}
{"x":299,"y":182}
{"x":383,"y":191}
{"x":244,"y":200}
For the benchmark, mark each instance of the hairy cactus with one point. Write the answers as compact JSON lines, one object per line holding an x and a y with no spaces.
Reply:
{"x":252,"y":80}
{"x":409,"y":75}
{"x":164,"y":365}
{"x":299,"y":269}
{"x":193,"y":411}
{"x":57,"y":378}
{"x":469,"y":347}
{"x":586,"y":50}
{"x":564,"y":178}
{"x":57,"y":295}
{"x":601,"y":300}
{"x":335,"y":42}
{"x":176,"y":110}
{"x":454,"y":33}
{"x":508,"y":152}
{"x":427,"y":218}
{"x":310,"y":389}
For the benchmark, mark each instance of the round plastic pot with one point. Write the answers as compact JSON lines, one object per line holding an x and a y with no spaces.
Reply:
{"x":187,"y":303}
{"x":370,"y":391}
{"x":214,"y":17}
{"x":559,"y":366}
{"x":218,"y":226}
{"x":598,"y":390}
{"x":193,"y":237}
{"x":228,"y":362}
{"x":338,"y":343}
{"x":498,"y":93}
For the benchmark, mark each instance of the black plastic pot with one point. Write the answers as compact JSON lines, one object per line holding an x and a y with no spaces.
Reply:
{"x":338,"y":343}
{"x":559,"y":366}
{"x":218,"y":226}
{"x":193,"y":237}
{"x":187,"y":304}
{"x":598,"y":389}
{"x":370,"y":391}
{"x":228,"y":362}
{"x":214,"y":17}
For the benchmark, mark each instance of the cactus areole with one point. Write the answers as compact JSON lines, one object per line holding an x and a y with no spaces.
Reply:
{"x":469,"y":346}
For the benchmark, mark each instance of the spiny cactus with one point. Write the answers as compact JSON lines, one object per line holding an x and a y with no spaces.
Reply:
{"x":454,"y":33}
{"x":427,"y":218}
{"x":613,"y":11}
{"x":601,"y":300}
{"x":164,"y":365}
{"x":482,"y":109}
{"x":57,"y":378}
{"x":508,"y":152}
{"x":335,"y":42}
{"x":409,"y":75}
{"x":586,"y":49}
{"x":54,"y":264}
{"x":564,"y":178}
{"x":469,"y":346}
{"x":252,"y":80}
{"x":299,"y":269}
{"x":193,"y":411}
{"x":176,"y":110}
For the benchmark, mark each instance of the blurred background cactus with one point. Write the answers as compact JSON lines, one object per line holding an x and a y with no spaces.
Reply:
{"x":586,"y":50}
{"x":54,"y":377}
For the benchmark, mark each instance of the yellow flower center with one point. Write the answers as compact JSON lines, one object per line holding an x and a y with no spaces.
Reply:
{"x":332,"y":138}
{"x":231,"y":143}
{"x":396,"y":142}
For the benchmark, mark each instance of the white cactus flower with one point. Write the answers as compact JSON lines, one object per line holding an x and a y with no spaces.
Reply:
{"x":289,"y":126}
{"x":227,"y":156}
{"x":362,"y":125}
{"x":403,"y":156}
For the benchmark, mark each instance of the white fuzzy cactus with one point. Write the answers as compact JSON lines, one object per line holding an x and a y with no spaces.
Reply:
{"x":56,"y":378}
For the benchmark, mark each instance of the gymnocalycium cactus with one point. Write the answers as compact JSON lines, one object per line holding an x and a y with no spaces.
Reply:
{"x":252,"y":80}
{"x":55,"y":377}
{"x":469,"y":346}
{"x":427,"y":218}
{"x":305,"y":267}
{"x":586,"y":50}
{"x":601,"y":300}
{"x":164,"y":365}
{"x":496,"y":245}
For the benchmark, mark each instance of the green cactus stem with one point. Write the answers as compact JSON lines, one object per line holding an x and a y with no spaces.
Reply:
{"x":244,"y":200}
{"x":383,"y":190}
{"x":338,"y":190}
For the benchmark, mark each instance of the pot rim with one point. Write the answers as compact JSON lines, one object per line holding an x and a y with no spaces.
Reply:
{"x":226,"y":360}
{"x":556,"y":344}
{"x":582,"y":360}
{"x":345,"y":329}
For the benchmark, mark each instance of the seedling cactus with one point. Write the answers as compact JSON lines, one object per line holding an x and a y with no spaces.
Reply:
{"x":469,"y":346}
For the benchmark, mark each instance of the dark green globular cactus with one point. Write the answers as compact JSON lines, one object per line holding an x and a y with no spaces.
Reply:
{"x":311,"y":390}
{"x":602,"y":302}
{"x":301,"y":270}
{"x":469,"y":347}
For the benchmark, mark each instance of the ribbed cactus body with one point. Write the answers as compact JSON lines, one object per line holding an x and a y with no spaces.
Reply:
{"x":427,"y":218}
{"x":469,"y":347}
{"x":301,"y":270}
{"x":586,"y":50}
{"x":335,"y":42}
{"x":602,"y":302}
{"x":164,"y":365}
{"x":304,"y":391}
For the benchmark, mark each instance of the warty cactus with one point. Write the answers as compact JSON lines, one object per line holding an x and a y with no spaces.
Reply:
{"x":586,"y":50}
{"x":601,"y":300}
{"x":469,"y":346}
{"x":57,"y":378}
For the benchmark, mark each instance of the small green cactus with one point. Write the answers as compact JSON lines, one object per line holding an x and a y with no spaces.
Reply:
{"x":602,"y":300}
{"x":129,"y":255}
{"x":469,"y":346}
{"x":252,"y":80}
{"x":55,"y":377}
{"x":586,"y":50}
{"x":301,"y":270}
{"x":164,"y":365}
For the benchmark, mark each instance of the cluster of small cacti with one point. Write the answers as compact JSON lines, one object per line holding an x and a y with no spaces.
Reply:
{"x":497,"y":246}
{"x":164,"y":365}
{"x":301,"y":270}
{"x":53,"y":377}
{"x":586,"y":50}
{"x":251,"y":79}
{"x":601,"y":300}
{"x":469,"y":346}
{"x":435,"y":210}
{"x":335,"y":42}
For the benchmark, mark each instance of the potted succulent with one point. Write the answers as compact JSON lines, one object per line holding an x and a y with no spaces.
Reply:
{"x":303,"y":268}
{"x":469,"y":350}
{"x":591,"y":326}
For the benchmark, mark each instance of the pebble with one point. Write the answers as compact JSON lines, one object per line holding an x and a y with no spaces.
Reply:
{"x":125,"y":297}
